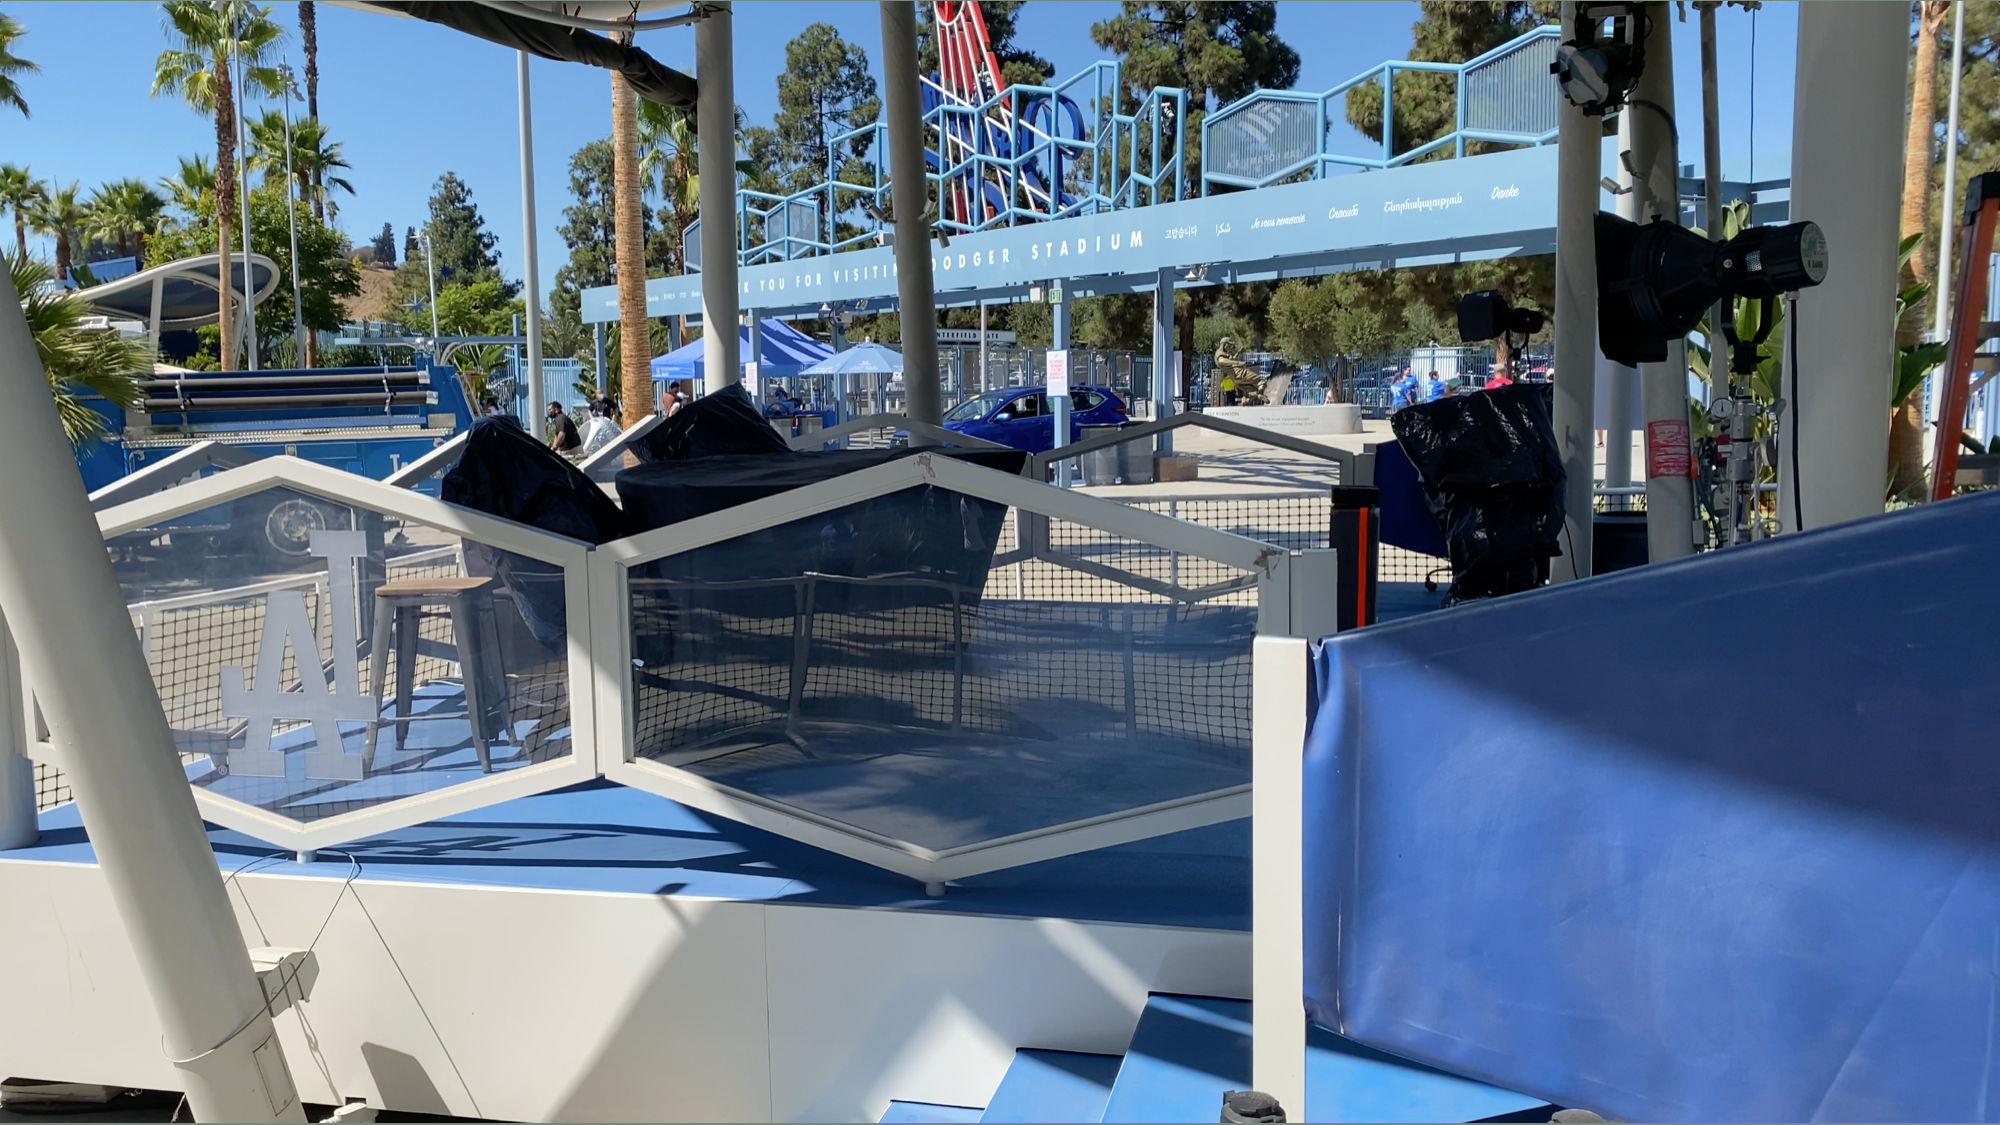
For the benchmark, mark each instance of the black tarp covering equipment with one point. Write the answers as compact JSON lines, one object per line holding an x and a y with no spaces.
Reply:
{"x":1489,"y":459}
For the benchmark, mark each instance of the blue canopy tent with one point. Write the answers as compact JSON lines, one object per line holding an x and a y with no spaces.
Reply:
{"x":786,"y":351}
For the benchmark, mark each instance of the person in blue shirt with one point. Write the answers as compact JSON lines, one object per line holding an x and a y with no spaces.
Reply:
{"x":1433,"y":388}
{"x":1403,"y":392}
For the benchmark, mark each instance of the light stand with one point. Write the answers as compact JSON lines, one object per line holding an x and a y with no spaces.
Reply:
{"x":1736,"y":458}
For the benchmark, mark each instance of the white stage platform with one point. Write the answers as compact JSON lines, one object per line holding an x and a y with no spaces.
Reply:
{"x":603,"y":954}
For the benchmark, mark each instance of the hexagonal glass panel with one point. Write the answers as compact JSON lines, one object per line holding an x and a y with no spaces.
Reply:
{"x":316,"y":658}
{"x":921,"y":667}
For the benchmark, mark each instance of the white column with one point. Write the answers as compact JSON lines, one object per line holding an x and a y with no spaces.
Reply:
{"x":909,"y":187}
{"x":1949,"y":216}
{"x":1846,"y":132}
{"x":18,"y":826}
{"x":1280,"y":669}
{"x":1579,"y":165}
{"x":1620,"y":382}
{"x":715,"y":126}
{"x":1662,"y":386}
{"x":68,"y":617}
{"x":1163,"y":356}
{"x":153,"y":320}
{"x":531,"y":281}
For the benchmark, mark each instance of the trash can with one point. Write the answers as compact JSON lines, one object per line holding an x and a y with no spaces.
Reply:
{"x":1100,"y":466}
{"x":1617,"y":541}
{"x":1176,"y":467}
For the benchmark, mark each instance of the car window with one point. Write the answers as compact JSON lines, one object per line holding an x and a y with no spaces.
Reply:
{"x":1081,"y":401}
{"x":1027,"y":406}
{"x":974,"y":408}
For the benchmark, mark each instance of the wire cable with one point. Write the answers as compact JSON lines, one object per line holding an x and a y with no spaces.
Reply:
{"x":1798,"y":507}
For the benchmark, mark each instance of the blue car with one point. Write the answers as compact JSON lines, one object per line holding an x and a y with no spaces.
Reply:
{"x":1020,"y":417}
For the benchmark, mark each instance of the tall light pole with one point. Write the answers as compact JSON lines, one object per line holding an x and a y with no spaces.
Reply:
{"x":243,"y":194}
{"x":531,"y":280}
{"x":430,"y":276}
{"x":292,"y":216}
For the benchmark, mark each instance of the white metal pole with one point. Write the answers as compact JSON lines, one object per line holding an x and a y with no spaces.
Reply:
{"x":715,"y":127}
{"x":531,"y":281}
{"x":1059,"y":404}
{"x":243,"y":196}
{"x":292,"y":218}
{"x":597,"y":352}
{"x":18,"y":812}
{"x":1948,"y":212}
{"x":1163,"y":357}
{"x":1579,"y":165}
{"x":1621,"y":382}
{"x":909,"y":189}
{"x":1281,"y":667}
{"x":1852,"y":66}
{"x":982,"y":347}
{"x":431,"y":277}
{"x":1662,"y":386}
{"x":68,"y":617}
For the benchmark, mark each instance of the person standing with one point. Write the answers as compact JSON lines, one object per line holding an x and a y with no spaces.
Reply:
{"x":676,"y":398}
{"x":599,"y":429}
{"x":1403,"y":392}
{"x":563,"y":437}
{"x":1433,"y":388}
{"x":1498,"y":379}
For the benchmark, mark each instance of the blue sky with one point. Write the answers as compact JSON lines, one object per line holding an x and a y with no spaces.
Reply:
{"x":410,"y":100}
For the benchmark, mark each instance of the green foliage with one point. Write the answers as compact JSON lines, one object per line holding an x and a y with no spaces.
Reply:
{"x":384,"y":245}
{"x":12,"y":65}
{"x":194,"y":179}
{"x":20,"y":193}
{"x":1215,"y":50}
{"x":1979,"y":112}
{"x":326,"y":272}
{"x":315,"y":161}
{"x":1451,"y":31}
{"x":1328,"y":322}
{"x":123,"y":213}
{"x":461,"y":246}
{"x":825,"y":90}
{"x":476,"y":308}
{"x":62,"y":216}
{"x":75,"y":358}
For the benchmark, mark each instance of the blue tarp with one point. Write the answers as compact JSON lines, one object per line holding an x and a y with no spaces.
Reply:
{"x":1710,"y":840}
{"x":786,"y":352}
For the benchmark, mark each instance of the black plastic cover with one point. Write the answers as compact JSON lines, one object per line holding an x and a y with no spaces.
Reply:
{"x":1489,"y":459}
{"x":725,"y":423}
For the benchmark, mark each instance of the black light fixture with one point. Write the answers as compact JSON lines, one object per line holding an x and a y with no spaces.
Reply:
{"x":1488,"y":316}
{"x":1600,"y":62}
{"x":1655,"y":282}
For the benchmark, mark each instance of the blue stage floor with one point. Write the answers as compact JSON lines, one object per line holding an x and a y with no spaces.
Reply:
{"x":604,"y":837}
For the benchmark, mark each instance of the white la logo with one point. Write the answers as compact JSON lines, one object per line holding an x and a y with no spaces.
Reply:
{"x":325,"y":705}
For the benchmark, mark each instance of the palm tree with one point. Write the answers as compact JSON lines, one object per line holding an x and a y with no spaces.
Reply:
{"x":62,"y":216}
{"x":12,"y":64}
{"x":1906,"y":427}
{"x":313,"y":156}
{"x":194,"y":181}
{"x":74,"y":356}
{"x":309,"y":36}
{"x":206,"y":38}
{"x":629,"y":241}
{"x":20,"y":193}
{"x":124,"y":213}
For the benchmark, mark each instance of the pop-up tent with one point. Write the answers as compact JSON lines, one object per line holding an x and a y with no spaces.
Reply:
{"x":786,"y":352}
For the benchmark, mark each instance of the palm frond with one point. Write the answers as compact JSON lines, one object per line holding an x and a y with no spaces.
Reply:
{"x":74,"y":357}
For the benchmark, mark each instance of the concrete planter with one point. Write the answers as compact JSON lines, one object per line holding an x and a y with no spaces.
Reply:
{"x":1332,"y":418}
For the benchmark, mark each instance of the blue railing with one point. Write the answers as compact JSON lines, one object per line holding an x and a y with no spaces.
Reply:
{"x":1033,"y":153}
{"x":1068,"y":152}
{"x":1505,"y":96}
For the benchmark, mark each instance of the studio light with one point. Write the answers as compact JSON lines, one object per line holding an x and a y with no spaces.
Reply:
{"x":1488,"y":316}
{"x":1601,"y":61}
{"x":1655,"y":282}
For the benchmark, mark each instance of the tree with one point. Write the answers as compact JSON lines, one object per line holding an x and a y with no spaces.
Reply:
{"x":385,"y":245}
{"x":1215,"y":50}
{"x":1018,"y":64}
{"x":204,"y":36}
{"x":123,"y":213}
{"x":313,"y":157}
{"x":825,"y":90}
{"x":12,"y":64}
{"x":410,"y":247}
{"x":461,"y":246}
{"x":75,"y":358}
{"x":1328,"y":322}
{"x":1906,"y":424}
{"x":309,"y":40}
{"x":472,"y":308}
{"x":1450,"y":31}
{"x":187,"y":186}
{"x":62,"y":216}
{"x":327,"y":272}
{"x":20,"y":193}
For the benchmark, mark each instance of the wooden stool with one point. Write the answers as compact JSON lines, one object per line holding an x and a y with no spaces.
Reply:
{"x":399,"y":612}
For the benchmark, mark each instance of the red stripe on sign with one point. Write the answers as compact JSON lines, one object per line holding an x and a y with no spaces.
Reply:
{"x":1669,"y":451}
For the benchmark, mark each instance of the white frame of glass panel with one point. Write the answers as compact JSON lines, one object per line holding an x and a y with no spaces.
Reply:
{"x":360,"y":492}
{"x":1272,"y":566}
{"x":429,"y":465}
{"x":169,"y":471}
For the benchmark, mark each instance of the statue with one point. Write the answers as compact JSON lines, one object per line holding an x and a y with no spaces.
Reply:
{"x":1232,"y":382}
